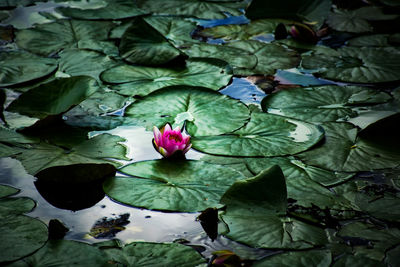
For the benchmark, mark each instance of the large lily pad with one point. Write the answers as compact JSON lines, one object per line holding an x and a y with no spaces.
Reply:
{"x":135,"y":80}
{"x":355,"y":64}
{"x":324,"y":103}
{"x":356,"y":20}
{"x":248,"y":57}
{"x":142,"y":44}
{"x":65,"y":253}
{"x":54,"y":97}
{"x":264,"y":135}
{"x":179,"y":185}
{"x":204,"y":111}
{"x":94,"y":150}
{"x":155,"y":254}
{"x":255,"y":214}
{"x":344,"y":151}
{"x":20,"y":67}
{"x":119,"y":9}
{"x":76,"y":62}
{"x":376,"y":40}
{"x":193,"y":8}
{"x":48,"y":38}
{"x":16,"y":206}
{"x":304,"y":11}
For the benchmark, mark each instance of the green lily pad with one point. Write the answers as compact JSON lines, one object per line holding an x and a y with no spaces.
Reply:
{"x":323,"y":103}
{"x":264,"y":135}
{"x":21,"y":235}
{"x":155,"y":254}
{"x":6,"y":190}
{"x":248,"y":57}
{"x":310,"y":11}
{"x":12,"y":137}
{"x":356,"y":20}
{"x":54,"y":97}
{"x":77,"y":62}
{"x":241,"y":31}
{"x":65,"y":253}
{"x":255,"y":214}
{"x":376,"y":40}
{"x":135,"y":80}
{"x":176,"y":185}
{"x":355,"y":64}
{"x":321,"y":258}
{"x":194,"y":105}
{"x":392,"y":257}
{"x":119,"y":9}
{"x":382,"y":239}
{"x":92,"y":151}
{"x":16,"y":206}
{"x":176,"y":29}
{"x":48,"y":38}
{"x":142,"y":44}
{"x":20,"y":67}
{"x":193,"y":8}
{"x":344,"y":151}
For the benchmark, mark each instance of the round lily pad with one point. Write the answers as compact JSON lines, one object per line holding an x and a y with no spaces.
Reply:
{"x":135,"y":80}
{"x":48,"y":38}
{"x":324,"y":103}
{"x":7,"y":190}
{"x":205,"y":112}
{"x":321,"y":258}
{"x":155,"y":254}
{"x":177,"y":185}
{"x":264,"y":135}
{"x":21,"y":235}
{"x":20,"y":67}
{"x":355,"y":64}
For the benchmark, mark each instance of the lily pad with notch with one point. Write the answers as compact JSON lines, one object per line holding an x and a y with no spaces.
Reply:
{"x":175,"y":185}
{"x":194,"y":106}
{"x":264,"y":135}
{"x":135,"y":80}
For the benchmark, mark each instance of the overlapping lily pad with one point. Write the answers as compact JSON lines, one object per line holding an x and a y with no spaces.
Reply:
{"x":264,"y":135}
{"x":357,"y":20}
{"x":255,"y":214}
{"x":135,"y":80}
{"x":310,"y":11}
{"x":21,"y":235}
{"x":194,"y":105}
{"x":172,"y":185}
{"x":92,"y":151}
{"x":321,"y":258}
{"x":77,"y":62}
{"x":376,"y":40}
{"x":7,"y":191}
{"x":48,"y":38}
{"x":119,"y":9}
{"x":248,"y":57}
{"x":65,"y":253}
{"x":54,"y":97}
{"x":355,"y":64}
{"x":194,"y":8}
{"x":142,"y":44}
{"x":324,"y":103}
{"x":20,"y":67}
{"x":155,"y":254}
{"x":344,"y":151}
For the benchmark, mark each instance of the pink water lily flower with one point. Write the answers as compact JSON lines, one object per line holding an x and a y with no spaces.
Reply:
{"x":170,"y":142}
